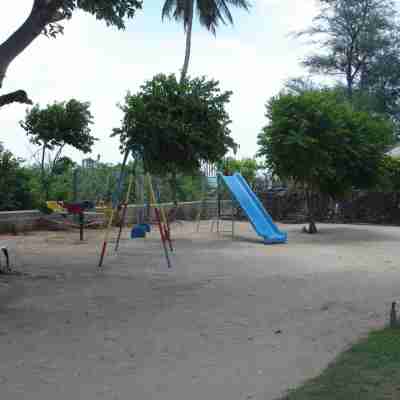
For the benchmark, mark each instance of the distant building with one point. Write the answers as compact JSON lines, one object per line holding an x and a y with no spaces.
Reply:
{"x":90,"y":162}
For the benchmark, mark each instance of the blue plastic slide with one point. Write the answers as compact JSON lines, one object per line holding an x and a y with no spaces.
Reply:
{"x":255,"y":211}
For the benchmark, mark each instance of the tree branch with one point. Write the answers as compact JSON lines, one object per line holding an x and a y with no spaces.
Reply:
{"x":18,"y":96}
{"x":42,"y":13}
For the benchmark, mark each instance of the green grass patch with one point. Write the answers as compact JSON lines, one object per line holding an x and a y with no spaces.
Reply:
{"x":369,"y":370}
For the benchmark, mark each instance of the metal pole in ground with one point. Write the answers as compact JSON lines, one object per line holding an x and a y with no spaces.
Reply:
{"x":202,"y":202}
{"x":81,"y":224}
{"x":75,"y":184}
{"x":114,"y":207}
{"x":233,"y":218}
{"x":218,"y":201}
{"x":124,"y":212}
{"x":152,"y":200}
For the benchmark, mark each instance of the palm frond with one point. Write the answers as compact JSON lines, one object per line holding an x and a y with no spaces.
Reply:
{"x":213,"y":12}
{"x":167,"y":10}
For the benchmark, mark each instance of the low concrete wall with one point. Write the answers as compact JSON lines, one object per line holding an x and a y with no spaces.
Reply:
{"x":19,"y":221}
{"x":28,"y":220}
{"x":187,"y":211}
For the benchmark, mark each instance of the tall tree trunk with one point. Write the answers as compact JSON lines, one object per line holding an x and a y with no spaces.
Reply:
{"x":188,"y":46}
{"x":349,"y":81}
{"x":43,"y":12}
{"x":312,"y":228}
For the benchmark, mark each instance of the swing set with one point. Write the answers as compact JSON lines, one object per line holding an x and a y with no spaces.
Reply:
{"x":140,"y":229}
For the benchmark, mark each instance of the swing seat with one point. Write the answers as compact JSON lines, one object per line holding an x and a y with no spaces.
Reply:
{"x":138,"y":231}
{"x":146,"y":227}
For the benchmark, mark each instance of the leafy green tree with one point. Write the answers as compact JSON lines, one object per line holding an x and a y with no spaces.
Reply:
{"x":323,"y":144}
{"x":210,"y":14}
{"x":63,"y":165}
{"x":54,"y":127}
{"x":15,"y":193}
{"x":99,"y":181}
{"x":379,"y":94}
{"x":389,"y":174}
{"x":46,"y":17}
{"x":300,"y":85}
{"x":174,"y":126}
{"x":248,"y":167}
{"x":356,"y":38}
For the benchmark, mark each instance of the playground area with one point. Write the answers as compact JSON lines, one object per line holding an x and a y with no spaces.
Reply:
{"x":232,"y":319}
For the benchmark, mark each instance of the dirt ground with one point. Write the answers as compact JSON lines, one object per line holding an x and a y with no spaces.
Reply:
{"x":233,"y":319}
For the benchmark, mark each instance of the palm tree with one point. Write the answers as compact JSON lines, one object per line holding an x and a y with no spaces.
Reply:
{"x":210,"y":13}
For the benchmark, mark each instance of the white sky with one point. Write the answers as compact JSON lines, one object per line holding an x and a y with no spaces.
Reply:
{"x":92,"y":62}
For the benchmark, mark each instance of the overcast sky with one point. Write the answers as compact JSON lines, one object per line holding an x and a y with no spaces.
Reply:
{"x":95,"y":63}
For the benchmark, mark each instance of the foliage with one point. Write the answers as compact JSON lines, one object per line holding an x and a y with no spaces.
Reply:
{"x":300,"y":85}
{"x":46,"y":17}
{"x":98,"y":182}
{"x":357,"y":38}
{"x":54,"y":127}
{"x":248,"y":167}
{"x":174,"y":126}
{"x":15,"y":193}
{"x":62,"y":165}
{"x":322,"y":143}
{"x":389,"y":172}
{"x":210,"y":13}
{"x":60,"y":124}
{"x":375,"y":99}
{"x":112,"y":12}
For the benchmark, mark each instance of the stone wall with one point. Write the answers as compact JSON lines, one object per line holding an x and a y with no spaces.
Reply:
{"x":359,"y":207}
{"x":371,"y":208}
{"x":290,"y":206}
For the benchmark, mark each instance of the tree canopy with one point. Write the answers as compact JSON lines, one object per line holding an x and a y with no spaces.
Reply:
{"x":46,"y":17}
{"x":323,"y":143}
{"x":174,"y":126}
{"x":58,"y":125}
{"x":210,"y":15}
{"x":389,"y":173}
{"x":357,"y":38}
{"x":246,"y":166}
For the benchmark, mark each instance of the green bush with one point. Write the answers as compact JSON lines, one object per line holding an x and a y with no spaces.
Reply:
{"x":15,"y":188}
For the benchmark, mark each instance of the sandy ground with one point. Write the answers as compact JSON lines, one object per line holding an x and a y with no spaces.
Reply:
{"x":234,"y":319}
